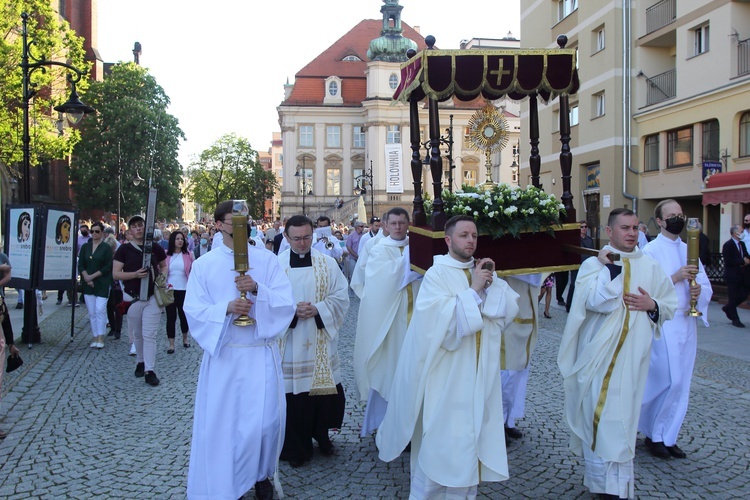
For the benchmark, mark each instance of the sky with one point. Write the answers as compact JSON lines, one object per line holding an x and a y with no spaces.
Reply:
{"x":224,"y":63}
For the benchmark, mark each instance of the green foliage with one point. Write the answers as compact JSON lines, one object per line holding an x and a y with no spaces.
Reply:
{"x":53,"y":40}
{"x":132,"y":133}
{"x":506,"y":209}
{"x":230,"y":170}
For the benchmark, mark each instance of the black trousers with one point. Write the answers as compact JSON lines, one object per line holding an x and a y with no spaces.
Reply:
{"x":173,"y":310}
{"x":736,"y":295}
{"x":571,"y":289}
{"x":310,"y":417}
{"x":113,"y":316}
{"x":561,"y":281}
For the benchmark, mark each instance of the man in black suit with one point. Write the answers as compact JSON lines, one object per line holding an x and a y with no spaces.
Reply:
{"x":277,"y":242}
{"x":586,"y":242}
{"x":735,"y":267}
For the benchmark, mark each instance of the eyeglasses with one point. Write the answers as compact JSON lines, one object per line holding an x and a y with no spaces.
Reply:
{"x":376,"y":219}
{"x":297,"y":239}
{"x":681,"y":217}
{"x":95,"y":231}
{"x":584,"y":227}
{"x":225,"y":222}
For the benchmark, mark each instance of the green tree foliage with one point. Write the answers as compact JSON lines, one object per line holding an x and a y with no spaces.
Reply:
{"x":230,"y":170}
{"x":132,"y":133}
{"x":53,"y":40}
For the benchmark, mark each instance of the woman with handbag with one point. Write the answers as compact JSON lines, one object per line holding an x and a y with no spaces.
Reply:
{"x":179,"y":262}
{"x":95,"y":267}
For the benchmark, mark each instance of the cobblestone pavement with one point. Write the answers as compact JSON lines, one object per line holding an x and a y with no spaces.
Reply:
{"x":80,"y":425}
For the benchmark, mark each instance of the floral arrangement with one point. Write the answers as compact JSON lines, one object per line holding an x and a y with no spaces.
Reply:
{"x":505,"y":209}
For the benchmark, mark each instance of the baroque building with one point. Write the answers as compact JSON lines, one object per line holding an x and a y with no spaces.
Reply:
{"x":339,"y":125}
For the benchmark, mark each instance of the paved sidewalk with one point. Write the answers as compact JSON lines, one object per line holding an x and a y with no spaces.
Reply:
{"x":80,"y":425}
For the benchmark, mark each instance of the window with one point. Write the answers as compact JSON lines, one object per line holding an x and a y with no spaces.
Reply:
{"x":745,"y":134}
{"x":470,"y":177}
{"x":306,"y":136}
{"x":351,"y":58}
{"x":598,"y":38}
{"x":357,"y":172}
{"x":700,"y":40}
{"x":711,"y":140}
{"x":333,"y":181}
{"x":333,"y":136}
{"x":680,"y":147}
{"x":651,"y":153}
{"x":393,"y":134}
{"x":280,"y":158}
{"x":565,"y":8}
{"x":599,"y":104}
{"x":359,"y":136}
{"x":393,"y":81}
{"x":304,"y":180}
{"x":573,"y":116}
{"x":333,"y":88}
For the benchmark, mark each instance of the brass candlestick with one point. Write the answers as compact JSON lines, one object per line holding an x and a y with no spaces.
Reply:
{"x":693,"y":251}
{"x":239,"y":242}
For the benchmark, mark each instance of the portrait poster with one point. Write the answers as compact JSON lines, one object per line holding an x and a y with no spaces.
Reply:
{"x":58,"y":253}
{"x":20,"y":243}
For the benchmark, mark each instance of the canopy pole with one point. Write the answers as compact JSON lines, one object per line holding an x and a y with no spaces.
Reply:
{"x":419,"y":218}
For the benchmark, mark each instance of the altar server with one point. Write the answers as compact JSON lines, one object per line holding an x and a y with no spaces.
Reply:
{"x":617,"y":308}
{"x":238,"y":424}
{"x":446,"y":393}
{"x":385,"y":310}
{"x":358,"y":275}
{"x":309,"y":349}
{"x":670,"y":371}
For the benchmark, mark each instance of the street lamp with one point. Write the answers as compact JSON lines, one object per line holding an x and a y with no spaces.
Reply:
{"x":75,"y":110}
{"x":362,"y":182}
{"x":304,"y":184}
{"x":444,"y":140}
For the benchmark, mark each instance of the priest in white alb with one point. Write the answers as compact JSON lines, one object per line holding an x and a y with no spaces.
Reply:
{"x":238,"y":424}
{"x":618,"y":307}
{"x":357,"y":282}
{"x":384,"y":314}
{"x":446,"y":397}
{"x":309,"y":349}
{"x":665,"y":401}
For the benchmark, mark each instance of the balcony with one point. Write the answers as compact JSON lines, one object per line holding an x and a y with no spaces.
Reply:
{"x":743,"y":57}
{"x":660,"y":15}
{"x":660,"y":87}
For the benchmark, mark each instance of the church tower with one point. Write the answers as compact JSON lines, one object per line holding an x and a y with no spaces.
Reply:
{"x":391,"y":46}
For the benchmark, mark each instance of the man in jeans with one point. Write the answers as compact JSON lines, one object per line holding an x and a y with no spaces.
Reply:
{"x":143,"y":315}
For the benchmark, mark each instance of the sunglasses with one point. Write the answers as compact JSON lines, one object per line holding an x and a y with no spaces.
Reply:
{"x":95,"y":231}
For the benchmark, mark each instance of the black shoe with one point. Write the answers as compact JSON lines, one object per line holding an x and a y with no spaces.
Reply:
{"x":58,"y":302}
{"x":738,"y":323}
{"x":676,"y":452}
{"x":140,"y":369}
{"x":111,"y":333}
{"x":19,"y":306}
{"x":296,"y":463}
{"x":560,"y":302}
{"x":513,"y":433}
{"x":151,"y":378}
{"x":657,"y":449}
{"x":326,"y":448}
{"x":117,"y":335}
{"x":264,"y":490}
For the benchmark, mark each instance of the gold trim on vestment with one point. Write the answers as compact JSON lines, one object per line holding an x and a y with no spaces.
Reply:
{"x":322,"y":383}
{"x":623,"y":334}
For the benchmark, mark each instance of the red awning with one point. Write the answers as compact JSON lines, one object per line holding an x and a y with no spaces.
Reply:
{"x":727,"y":187}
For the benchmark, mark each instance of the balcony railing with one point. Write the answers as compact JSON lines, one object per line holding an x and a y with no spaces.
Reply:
{"x":743,"y":57}
{"x":660,"y":15}
{"x":661,"y":87}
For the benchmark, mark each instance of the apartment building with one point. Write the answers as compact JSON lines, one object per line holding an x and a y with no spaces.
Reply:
{"x":663,"y":102}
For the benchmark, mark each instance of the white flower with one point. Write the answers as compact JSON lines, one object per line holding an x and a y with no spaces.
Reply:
{"x":476,"y":213}
{"x":531,"y":211}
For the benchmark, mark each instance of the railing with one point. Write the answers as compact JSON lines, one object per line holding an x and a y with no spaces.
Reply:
{"x":660,"y":15}
{"x":743,"y":57}
{"x":661,"y":87}
{"x":715,"y":270}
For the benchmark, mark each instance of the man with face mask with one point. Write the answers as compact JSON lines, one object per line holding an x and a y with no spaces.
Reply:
{"x":736,"y":261}
{"x":665,"y":400}
{"x":746,"y":232}
{"x":203,"y":247}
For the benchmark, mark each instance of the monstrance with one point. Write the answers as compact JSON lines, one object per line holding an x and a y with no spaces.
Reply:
{"x":488,"y":132}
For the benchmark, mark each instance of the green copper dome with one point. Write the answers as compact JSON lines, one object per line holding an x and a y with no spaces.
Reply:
{"x":391,"y":46}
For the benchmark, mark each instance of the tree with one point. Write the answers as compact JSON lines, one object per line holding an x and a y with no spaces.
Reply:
{"x":230,"y":170}
{"x":52,"y":40}
{"x":132,"y":133}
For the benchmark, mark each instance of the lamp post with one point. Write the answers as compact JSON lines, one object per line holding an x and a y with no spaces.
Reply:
{"x":362,"y":182}
{"x":444,"y":140}
{"x":305,"y":186}
{"x":75,"y":110}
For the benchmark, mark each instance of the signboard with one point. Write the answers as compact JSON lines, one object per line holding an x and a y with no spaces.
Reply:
{"x":592,"y":176}
{"x":58,"y":255}
{"x":394,"y":172}
{"x":711,"y":168}
{"x":20,"y":241}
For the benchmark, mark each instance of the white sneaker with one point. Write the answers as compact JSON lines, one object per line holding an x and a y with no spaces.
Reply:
{"x":100,"y":345}
{"x":94,"y":345}
{"x":132,"y":350}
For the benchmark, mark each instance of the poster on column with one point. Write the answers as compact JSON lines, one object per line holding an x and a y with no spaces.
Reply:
{"x":394,"y":171}
{"x":19,"y":243}
{"x":58,"y":256}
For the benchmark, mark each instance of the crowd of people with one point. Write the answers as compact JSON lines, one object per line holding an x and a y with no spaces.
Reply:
{"x":443,"y":369}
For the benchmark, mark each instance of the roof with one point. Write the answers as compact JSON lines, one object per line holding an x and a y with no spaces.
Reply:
{"x":310,"y":80}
